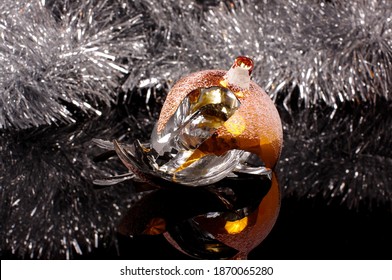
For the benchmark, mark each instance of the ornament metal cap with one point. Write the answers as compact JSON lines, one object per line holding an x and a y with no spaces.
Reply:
{"x":238,"y":76}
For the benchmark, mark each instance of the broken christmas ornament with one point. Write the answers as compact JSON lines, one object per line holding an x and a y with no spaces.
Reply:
{"x":211,"y":157}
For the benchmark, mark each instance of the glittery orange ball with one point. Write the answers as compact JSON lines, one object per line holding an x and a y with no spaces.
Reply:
{"x":255,"y":127}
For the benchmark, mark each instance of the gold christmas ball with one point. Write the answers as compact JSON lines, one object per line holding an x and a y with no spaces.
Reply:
{"x":254,"y":127}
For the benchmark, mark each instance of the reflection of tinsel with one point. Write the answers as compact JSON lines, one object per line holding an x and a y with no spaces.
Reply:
{"x":344,"y":155}
{"x":327,"y":64}
{"x":50,"y":207}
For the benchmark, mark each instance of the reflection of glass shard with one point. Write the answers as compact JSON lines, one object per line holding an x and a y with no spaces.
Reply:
{"x":235,"y":227}
{"x":191,"y":239}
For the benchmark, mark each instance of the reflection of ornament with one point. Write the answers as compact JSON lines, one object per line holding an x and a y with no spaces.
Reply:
{"x":240,"y":230}
{"x":216,"y":129}
{"x":224,"y":220}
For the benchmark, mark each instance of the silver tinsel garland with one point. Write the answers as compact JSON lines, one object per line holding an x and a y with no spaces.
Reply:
{"x":327,"y":65}
{"x":62,"y":54}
